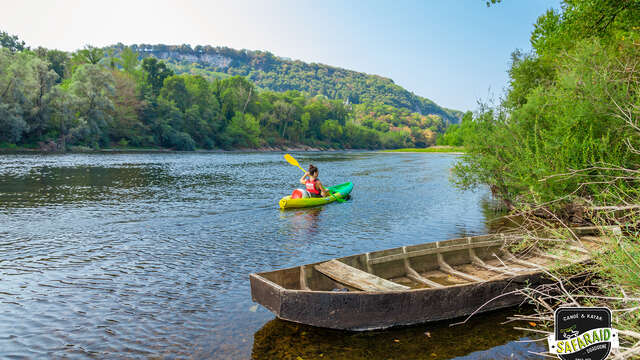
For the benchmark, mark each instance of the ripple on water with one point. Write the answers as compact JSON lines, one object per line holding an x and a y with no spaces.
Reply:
{"x":139,"y":255}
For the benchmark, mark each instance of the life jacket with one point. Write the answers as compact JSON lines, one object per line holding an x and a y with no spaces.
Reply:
{"x":311,"y":187}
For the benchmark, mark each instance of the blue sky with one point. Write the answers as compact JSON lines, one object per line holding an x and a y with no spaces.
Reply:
{"x":453,"y":52}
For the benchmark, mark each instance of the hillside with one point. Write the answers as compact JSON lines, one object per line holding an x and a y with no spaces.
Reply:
{"x":204,"y":98}
{"x":270,"y":72}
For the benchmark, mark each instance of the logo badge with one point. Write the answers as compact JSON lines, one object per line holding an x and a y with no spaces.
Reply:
{"x":583,"y":333}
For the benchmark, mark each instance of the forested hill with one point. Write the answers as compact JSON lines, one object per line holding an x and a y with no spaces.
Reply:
{"x":200,"y":98}
{"x":274,"y":73}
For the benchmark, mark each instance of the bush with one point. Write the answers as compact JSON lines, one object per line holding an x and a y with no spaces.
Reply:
{"x":183,"y":141}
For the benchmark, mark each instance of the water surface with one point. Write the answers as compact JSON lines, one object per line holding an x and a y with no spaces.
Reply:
{"x":148,"y":255}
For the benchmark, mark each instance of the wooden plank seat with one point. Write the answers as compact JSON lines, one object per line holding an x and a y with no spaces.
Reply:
{"x":356,"y":278}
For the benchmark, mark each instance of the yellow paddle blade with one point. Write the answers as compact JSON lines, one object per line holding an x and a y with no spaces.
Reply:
{"x":293,"y":161}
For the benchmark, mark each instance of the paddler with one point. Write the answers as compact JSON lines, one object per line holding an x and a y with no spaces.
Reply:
{"x":313,"y":185}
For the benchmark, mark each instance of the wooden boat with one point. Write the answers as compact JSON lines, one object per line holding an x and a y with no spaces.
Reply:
{"x":408,"y":285}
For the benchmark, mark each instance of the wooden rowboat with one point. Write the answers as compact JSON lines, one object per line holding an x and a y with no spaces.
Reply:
{"x":408,"y":285}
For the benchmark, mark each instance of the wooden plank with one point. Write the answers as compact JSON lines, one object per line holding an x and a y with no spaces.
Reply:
{"x":435,"y":250}
{"x":577,"y":248}
{"x":303,"y":279}
{"x":444,"y":267}
{"x":369,"y":269}
{"x":551,"y":256}
{"x":513,"y":258}
{"x":358,"y":279}
{"x":596,"y":230}
{"x":595,"y":239}
{"x":479,"y":262}
{"x":414,"y":275}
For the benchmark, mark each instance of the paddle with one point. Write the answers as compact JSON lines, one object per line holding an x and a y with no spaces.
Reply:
{"x":291,"y":160}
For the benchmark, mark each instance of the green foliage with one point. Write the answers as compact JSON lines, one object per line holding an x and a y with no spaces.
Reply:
{"x":128,"y":61}
{"x":433,"y":149}
{"x":564,"y":111}
{"x":155,"y":72}
{"x":243,"y":131}
{"x":26,"y":82}
{"x":125,"y":122}
{"x":456,"y":134}
{"x":57,"y":61}
{"x":102,"y":97}
{"x":89,"y":55}
{"x":93,"y":87}
{"x":11,"y":42}
{"x":270,"y":72}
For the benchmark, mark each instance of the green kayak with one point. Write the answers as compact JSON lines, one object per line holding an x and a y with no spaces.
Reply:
{"x":339,"y":191}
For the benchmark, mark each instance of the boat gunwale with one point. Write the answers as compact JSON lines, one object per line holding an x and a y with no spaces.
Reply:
{"x":284,"y":290}
{"x":396,"y":257}
{"x":443,"y":248}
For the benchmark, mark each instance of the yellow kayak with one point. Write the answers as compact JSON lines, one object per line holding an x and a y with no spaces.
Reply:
{"x":339,"y":191}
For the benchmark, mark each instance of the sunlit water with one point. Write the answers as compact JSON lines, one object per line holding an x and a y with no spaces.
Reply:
{"x":148,"y":255}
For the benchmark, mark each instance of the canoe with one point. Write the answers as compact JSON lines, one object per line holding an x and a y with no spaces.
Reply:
{"x":409,"y":285}
{"x":339,"y":191}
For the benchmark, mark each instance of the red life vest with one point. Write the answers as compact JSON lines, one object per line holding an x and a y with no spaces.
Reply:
{"x":311,"y":187}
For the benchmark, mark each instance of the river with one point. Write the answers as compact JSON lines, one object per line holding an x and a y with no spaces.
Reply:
{"x":139,"y":255}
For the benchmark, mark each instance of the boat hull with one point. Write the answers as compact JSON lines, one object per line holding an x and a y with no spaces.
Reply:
{"x":360,"y":311}
{"x":411,"y":284}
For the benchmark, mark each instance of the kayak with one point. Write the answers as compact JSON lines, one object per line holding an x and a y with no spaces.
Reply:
{"x":339,"y":191}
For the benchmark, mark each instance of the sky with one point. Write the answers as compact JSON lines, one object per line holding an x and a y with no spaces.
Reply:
{"x":454,"y":52}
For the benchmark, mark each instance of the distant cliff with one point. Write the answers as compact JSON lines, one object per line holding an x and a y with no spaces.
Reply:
{"x":279,"y":74}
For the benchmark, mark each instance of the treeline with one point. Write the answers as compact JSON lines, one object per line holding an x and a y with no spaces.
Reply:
{"x":423,"y":129}
{"x":98,"y":98}
{"x":567,"y":128}
{"x":274,"y":73}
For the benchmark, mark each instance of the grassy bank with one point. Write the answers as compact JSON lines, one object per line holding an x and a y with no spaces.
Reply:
{"x":611,"y":279}
{"x":432,"y":149}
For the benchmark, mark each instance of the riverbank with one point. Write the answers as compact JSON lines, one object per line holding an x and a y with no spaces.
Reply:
{"x":611,"y":279}
{"x":292,"y":148}
{"x":432,"y":149}
{"x":88,"y":150}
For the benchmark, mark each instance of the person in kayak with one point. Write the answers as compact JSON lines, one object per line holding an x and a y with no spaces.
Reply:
{"x":313,"y":185}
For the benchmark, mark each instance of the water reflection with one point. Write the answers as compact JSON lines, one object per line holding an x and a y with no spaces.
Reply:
{"x":303,"y":222}
{"x":483,"y":337}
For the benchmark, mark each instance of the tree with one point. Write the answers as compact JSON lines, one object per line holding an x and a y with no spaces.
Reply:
{"x":331,"y":130}
{"x":243,"y":131}
{"x":25,"y":83}
{"x":156,"y":71}
{"x":58,"y":61}
{"x":175,"y":90}
{"x":125,"y":123}
{"x":11,"y":42}
{"x":89,"y":55}
{"x":40,"y":97}
{"x":128,"y":60}
{"x":93,"y":86}
{"x":63,"y":117}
